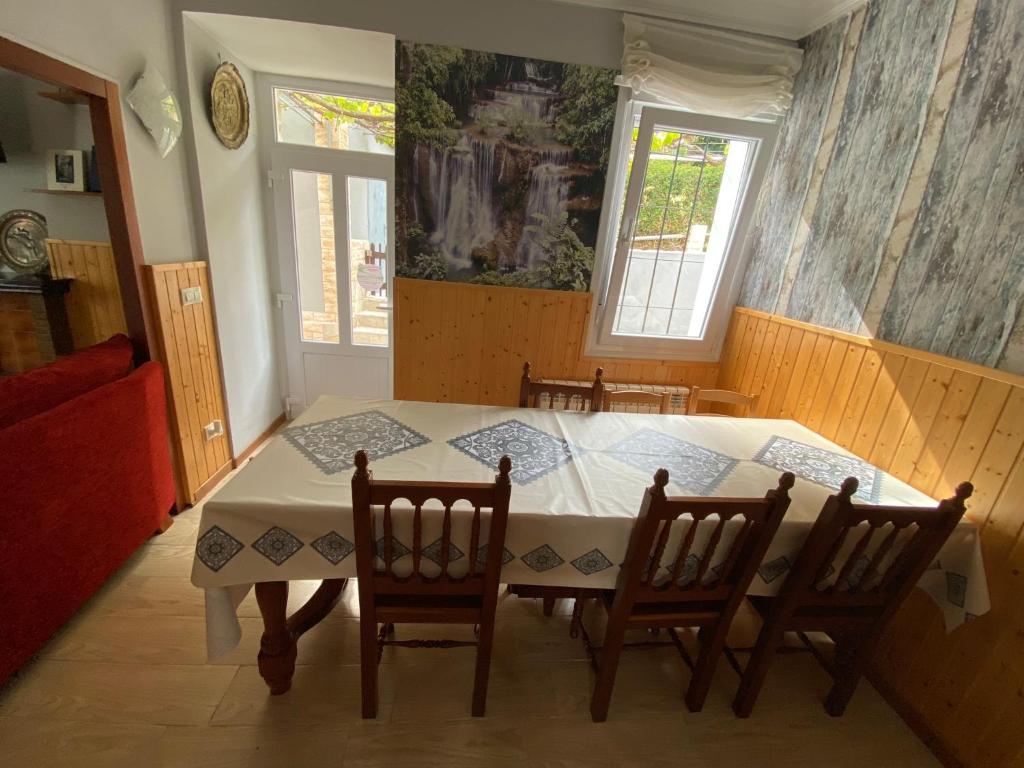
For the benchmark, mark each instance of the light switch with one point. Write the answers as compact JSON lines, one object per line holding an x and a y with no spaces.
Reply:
{"x":214,"y":429}
{"x":192,"y":295}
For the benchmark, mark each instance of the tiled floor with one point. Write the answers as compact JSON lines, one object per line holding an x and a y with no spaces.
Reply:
{"x":126,"y":683}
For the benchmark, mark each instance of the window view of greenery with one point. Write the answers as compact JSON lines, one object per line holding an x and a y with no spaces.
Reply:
{"x":335,"y":122}
{"x":500,"y":167}
{"x":684,"y":175}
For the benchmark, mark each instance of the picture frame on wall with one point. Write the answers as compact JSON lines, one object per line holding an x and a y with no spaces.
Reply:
{"x":65,"y":170}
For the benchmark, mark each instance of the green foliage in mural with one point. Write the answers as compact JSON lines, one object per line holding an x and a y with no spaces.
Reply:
{"x":435,"y":83}
{"x":567,"y":266}
{"x":425,"y":261}
{"x":587,"y":114}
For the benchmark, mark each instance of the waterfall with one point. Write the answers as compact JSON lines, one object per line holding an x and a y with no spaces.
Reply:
{"x":548,"y":195}
{"x":462,"y":183}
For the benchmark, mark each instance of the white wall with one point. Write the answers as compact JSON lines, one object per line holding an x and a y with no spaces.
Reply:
{"x":544,"y":30}
{"x":230,"y":219}
{"x":30,"y":125}
{"x":113,"y":39}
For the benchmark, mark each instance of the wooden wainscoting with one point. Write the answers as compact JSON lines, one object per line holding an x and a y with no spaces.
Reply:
{"x":187,"y":346}
{"x":95,"y":310}
{"x":464,"y":343}
{"x":931,"y":421}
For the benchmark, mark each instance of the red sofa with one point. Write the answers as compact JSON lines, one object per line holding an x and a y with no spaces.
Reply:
{"x":85,"y":473}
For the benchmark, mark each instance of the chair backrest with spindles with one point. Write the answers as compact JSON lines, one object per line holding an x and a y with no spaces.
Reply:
{"x":490,"y":503}
{"x":691,"y":575}
{"x":576,"y":398}
{"x":839,"y":569}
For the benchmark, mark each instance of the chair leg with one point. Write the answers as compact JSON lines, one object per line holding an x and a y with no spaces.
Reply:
{"x":609,"y":665}
{"x":756,"y":671}
{"x":368,"y":664}
{"x":577,"y":616}
{"x":712,"y":641}
{"x":549,"y":606}
{"x":483,"y":667}
{"x":851,"y":659}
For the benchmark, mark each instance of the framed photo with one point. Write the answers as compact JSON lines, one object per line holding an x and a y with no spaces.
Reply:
{"x":65,"y":170}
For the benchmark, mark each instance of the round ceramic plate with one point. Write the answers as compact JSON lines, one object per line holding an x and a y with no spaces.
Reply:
{"x":23,"y":241}
{"x":229,"y":106}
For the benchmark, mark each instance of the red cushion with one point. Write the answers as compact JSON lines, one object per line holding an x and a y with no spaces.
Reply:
{"x":41,"y":389}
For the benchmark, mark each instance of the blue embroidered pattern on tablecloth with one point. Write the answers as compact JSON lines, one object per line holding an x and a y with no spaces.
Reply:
{"x":821,"y":466}
{"x":534,"y":453}
{"x":331,"y":445}
{"x":689,"y":466}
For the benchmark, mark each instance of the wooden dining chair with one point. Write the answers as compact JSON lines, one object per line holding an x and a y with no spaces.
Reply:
{"x":849,"y":593}
{"x":387,"y":599}
{"x":662,"y":401}
{"x":576,"y":397}
{"x":698,"y":397}
{"x":692,"y":590}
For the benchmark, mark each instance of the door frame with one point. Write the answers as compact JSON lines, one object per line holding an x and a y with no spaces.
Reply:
{"x":319,"y":159}
{"x":104,"y":101}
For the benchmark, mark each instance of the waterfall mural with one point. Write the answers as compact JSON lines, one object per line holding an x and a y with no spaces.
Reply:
{"x":500,"y":166}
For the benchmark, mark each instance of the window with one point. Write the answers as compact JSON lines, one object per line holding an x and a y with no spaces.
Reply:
{"x":334,"y":122}
{"x":690,"y":184}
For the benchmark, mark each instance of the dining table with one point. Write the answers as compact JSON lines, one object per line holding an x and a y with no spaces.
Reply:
{"x":578,"y":479}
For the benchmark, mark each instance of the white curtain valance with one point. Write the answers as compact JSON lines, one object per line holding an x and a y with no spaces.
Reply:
{"x":708,"y":70}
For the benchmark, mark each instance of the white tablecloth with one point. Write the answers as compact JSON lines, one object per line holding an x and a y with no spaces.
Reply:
{"x":578,"y":479}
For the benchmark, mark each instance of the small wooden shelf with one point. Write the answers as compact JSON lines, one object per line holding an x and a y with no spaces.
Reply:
{"x":66,"y":192}
{"x":65,"y":97}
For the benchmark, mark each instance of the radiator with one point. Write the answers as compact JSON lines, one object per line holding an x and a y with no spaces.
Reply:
{"x":677,"y":405}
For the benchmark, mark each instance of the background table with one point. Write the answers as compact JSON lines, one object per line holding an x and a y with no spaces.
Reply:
{"x":578,"y":479}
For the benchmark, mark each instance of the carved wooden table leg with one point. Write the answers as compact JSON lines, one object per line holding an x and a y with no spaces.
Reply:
{"x":280,"y":632}
{"x":276,"y":659}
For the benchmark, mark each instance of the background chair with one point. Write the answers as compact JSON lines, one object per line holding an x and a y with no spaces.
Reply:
{"x":688,"y":592}
{"x":576,"y":398}
{"x":700,"y":397}
{"x":627,"y":397}
{"x":868,"y":586}
{"x":388,"y":599}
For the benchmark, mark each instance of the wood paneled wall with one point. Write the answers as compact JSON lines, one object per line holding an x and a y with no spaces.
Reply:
{"x":931,"y":421}
{"x":187,"y":346}
{"x":94,"y":306}
{"x":463,"y":343}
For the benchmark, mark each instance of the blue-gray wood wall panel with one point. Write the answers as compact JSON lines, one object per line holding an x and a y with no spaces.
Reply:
{"x":959,"y":285}
{"x":782,"y":198}
{"x":883,"y":116}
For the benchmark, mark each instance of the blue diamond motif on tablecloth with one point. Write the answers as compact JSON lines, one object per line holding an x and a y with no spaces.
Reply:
{"x":820,"y":466}
{"x":771,"y":570}
{"x":956,"y":588}
{"x":690,"y":466}
{"x":433,"y":552}
{"x":398,"y":549}
{"x":216,"y":547}
{"x":333,"y":547}
{"x":332,"y":444}
{"x":481,"y":556}
{"x":534,"y":453}
{"x":543,"y":558}
{"x":277,"y":545}
{"x":689,"y":572}
{"x":592,"y":562}
{"x":856,"y":574}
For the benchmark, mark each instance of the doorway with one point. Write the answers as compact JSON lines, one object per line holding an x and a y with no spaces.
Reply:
{"x":331,"y":169}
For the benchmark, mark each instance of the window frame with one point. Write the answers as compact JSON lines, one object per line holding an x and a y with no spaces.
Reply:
{"x":328,"y":88}
{"x":622,"y":190}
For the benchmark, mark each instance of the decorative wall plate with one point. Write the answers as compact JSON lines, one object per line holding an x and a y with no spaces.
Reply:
{"x":229,"y":106}
{"x":23,"y":241}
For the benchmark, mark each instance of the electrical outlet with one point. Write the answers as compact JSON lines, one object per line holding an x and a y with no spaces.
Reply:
{"x":192,"y":295}
{"x":213,"y":429}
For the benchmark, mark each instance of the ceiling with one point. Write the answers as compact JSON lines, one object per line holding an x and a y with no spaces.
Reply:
{"x":297,"y":49}
{"x":789,"y":19}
